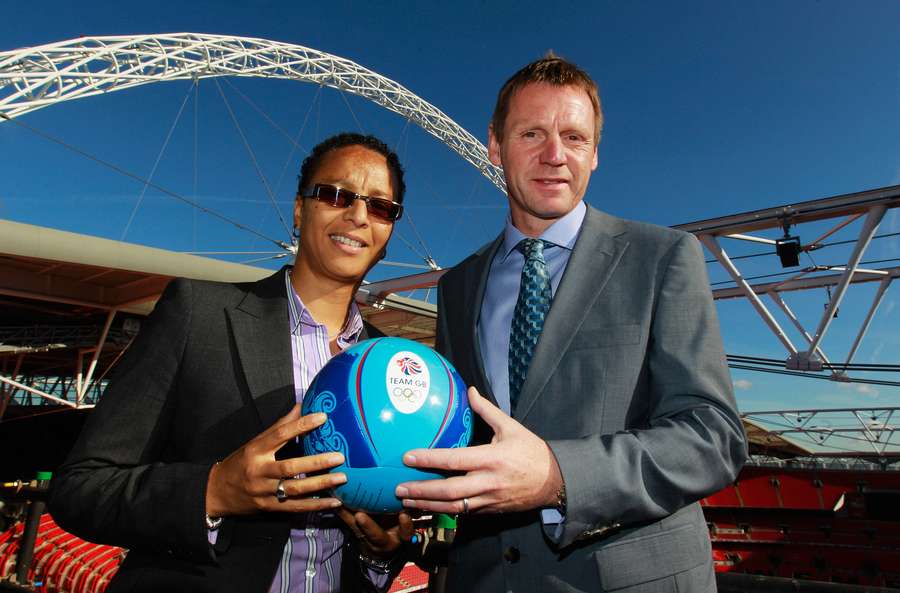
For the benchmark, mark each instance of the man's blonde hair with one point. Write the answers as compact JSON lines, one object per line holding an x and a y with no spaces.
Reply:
{"x":551,"y":69}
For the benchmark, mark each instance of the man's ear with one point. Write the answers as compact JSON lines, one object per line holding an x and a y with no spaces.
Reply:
{"x":493,"y":146}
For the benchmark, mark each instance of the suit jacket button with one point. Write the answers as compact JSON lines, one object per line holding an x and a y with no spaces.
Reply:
{"x":511,"y":554}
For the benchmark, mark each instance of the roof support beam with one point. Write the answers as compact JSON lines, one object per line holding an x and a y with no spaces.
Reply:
{"x":776,"y":298}
{"x":96,"y":355}
{"x":870,"y":226}
{"x":879,"y":296}
{"x":38,"y":392}
{"x":6,"y":391}
{"x":712,"y":244}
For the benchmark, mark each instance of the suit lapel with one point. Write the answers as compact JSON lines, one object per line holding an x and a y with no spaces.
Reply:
{"x":594,"y":258}
{"x":477,"y":276}
{"x":262,"y":337}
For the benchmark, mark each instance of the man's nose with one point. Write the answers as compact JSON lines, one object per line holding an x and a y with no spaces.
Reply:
{"x":553,"y":152}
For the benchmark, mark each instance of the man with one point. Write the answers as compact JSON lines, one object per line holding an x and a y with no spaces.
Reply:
{"x":190,"y":460}
{"x":622,"y":412}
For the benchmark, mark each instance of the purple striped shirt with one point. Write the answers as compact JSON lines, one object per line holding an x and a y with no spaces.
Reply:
{"x":311,"y":561}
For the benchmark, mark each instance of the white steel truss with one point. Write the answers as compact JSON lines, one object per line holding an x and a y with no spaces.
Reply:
{"x":835,"y":432}
{"x":870,"y":206}
{"x":35,"y":77}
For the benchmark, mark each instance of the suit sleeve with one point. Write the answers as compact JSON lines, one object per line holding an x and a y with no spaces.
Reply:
{"x":692,"y":442}
{"x":118,"y":486}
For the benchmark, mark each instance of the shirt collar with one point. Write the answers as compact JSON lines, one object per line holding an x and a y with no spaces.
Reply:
{"x":300,"y":316}
{"x":561,"y":233}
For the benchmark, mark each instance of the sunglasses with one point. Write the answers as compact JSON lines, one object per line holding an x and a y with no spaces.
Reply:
{"x":344,"y":198}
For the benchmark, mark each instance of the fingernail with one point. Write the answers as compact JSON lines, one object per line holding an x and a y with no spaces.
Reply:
{"x":401,"y":492}
{"x":410,"y":504}
{"x":339,"y":479}
{"x":336,"y":459}
{"x":409,"y":459}
{"x":335,"y":504}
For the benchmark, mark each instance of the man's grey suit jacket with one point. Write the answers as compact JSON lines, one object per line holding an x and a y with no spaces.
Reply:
{"x":629,"y":386}
{"x":210,"y":370}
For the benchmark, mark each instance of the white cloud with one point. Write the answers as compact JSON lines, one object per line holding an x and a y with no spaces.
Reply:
{"x":862,"y":388}
{"x":742,"y":384}
{"x":866,"y":389}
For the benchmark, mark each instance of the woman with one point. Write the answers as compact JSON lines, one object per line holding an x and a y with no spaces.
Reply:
{"x":190,"y":459}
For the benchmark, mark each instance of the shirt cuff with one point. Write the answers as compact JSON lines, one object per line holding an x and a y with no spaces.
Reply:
{"x":554,"y":523}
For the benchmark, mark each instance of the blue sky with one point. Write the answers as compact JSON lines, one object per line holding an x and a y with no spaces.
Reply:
{"x":711,"y":108}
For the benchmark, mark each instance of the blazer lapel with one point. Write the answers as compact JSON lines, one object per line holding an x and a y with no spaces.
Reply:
{"x":262,"y":337}
{"x":477,"y":276}
{"x":594,"y":258}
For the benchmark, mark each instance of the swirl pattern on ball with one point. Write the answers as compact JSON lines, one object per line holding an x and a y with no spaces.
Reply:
{"x":466,"y":436}
{"x":326,"y":438}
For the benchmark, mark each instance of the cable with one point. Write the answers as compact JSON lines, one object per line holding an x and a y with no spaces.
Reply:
{"x":140,"y":179}
{"x":196,"y":155}
{"x":410,"y":245}
{"x":264,"y":115}
{"x":812,"y":376}
{"x":873,"y":367}
{"x":428,"y":260}
{"x":347,"y":103}
{"x":791,"y":272}
{"x":256,"y":166}
{"x":159,"y":156}
{"x":822,"y":246}
{"x":296,"y":144}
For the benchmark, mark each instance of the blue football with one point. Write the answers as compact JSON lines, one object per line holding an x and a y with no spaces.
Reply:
{"x":384,"y":397}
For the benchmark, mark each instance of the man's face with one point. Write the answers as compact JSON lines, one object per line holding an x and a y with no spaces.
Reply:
{"x":341,"y":244}
{"x":547,"y":153}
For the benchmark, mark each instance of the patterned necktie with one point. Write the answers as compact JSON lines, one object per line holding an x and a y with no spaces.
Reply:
{"x":528,"y":317}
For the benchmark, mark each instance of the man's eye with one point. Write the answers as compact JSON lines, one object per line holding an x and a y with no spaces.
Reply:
{"x":529,"y":134}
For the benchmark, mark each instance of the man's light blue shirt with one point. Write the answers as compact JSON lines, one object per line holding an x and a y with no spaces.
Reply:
{"x":502,"y":291}
{"x":499,"y":302}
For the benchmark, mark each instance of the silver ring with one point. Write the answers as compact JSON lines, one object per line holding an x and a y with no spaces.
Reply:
{"x":465,"y":506}
{"x":280,"y":494}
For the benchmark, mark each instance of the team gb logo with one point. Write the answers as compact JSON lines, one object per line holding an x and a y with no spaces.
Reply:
{"x":408,"y":382}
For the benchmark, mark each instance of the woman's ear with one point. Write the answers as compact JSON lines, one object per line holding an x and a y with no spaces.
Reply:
{"x":298,"y":215}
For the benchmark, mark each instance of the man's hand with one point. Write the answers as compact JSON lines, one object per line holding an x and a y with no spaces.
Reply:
{"x":246,"y":480}
{"x":378,"y":537}
{"x":515,"y":472}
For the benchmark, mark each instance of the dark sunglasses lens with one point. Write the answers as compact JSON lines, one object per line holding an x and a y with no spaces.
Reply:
{"x":384,"y":209}
{"x":343,"y":198}
{"x":333,"y":196}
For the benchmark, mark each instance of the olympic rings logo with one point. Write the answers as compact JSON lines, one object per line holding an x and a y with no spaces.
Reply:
{"x":406,"y":393}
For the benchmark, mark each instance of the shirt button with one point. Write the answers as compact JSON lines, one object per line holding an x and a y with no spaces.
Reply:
{"x":311,"y":572}
{"x":511,"y":554}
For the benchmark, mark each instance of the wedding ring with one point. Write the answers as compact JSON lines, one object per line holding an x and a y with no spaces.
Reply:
{"x":465,"y":506}
{"x":280,"y":494}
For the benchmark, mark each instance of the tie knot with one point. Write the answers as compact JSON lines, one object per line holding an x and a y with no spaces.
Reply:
{"x":532,"y":248}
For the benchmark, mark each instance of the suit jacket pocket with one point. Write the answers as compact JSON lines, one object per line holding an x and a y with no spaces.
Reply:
{"x":632,"y":561}
{"x":606,"y":336}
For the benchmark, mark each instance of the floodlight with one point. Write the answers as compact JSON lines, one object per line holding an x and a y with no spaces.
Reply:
{"x":788,"y":250}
